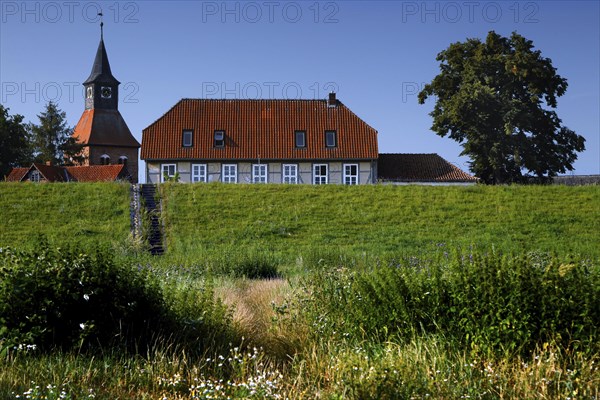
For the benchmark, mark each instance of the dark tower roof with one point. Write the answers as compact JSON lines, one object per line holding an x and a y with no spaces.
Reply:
{"x":98,"y":127}
{"x":101,"y":68}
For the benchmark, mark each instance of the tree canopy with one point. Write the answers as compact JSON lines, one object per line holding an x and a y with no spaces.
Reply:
{"x":496,"y":98}
{"x":15,"y":148}
{"x":52,"y":141}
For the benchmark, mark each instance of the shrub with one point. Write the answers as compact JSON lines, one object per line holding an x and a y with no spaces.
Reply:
{"x":63,"y":298}
{"x":489,"y":303}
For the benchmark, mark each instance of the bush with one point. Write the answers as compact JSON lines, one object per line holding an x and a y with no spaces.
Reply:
{"x":488,"y":303}
{"x":63,"y":298}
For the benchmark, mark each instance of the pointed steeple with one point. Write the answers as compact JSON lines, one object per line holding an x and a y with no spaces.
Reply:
{"x":101,"y":68}
{"x":101,"y":129}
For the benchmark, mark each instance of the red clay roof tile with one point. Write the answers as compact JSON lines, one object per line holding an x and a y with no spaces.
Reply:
{"x":258,"y":129}
{"x":98,"y":173}
{"x":16,"y":174}
{"x":103,"y":127}
{"x":419,"y":168}
{"x":89,"y":173}
{"x":52,"y":173}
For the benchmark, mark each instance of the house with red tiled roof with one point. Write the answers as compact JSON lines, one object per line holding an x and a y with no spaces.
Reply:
{"x":280,"y":141}
{"x":261,"y":141}
{"x":52,"y":173}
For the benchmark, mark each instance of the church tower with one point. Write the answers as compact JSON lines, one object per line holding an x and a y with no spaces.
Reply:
{"x":101,"y":129}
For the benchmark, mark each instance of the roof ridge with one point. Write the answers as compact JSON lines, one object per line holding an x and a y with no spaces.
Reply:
{"x":226,"y":99}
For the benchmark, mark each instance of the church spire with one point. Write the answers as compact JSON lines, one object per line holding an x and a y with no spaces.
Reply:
{"x":101,"y":69}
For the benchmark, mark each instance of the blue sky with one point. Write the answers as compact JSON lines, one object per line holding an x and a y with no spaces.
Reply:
{"x":375,"y":55}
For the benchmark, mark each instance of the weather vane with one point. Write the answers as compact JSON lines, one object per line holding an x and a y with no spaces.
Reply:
{"x":101,"y":25}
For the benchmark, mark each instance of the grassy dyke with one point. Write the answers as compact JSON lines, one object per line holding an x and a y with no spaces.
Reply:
{"x":347,"y":251}
{"x":218,"y":222}
{"x":86,"y":214}
{"x":280,"y":224}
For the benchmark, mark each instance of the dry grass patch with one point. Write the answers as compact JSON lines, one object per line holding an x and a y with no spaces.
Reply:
{"x":258,"y":308}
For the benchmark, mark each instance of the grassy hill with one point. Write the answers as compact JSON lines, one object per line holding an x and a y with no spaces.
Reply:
{"x":216,"y":222}
{"x":207,"y":221}
{"x":85,"y":214}
{"x":355,"y":326}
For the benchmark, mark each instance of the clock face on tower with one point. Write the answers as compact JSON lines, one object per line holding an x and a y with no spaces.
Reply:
{"x":106,"y":92}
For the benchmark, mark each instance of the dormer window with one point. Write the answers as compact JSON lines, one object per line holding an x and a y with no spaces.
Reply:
{"x":187,"y":139}
{"x":123,"y":160}
{"x":35,"y":176}
{"x":104,"y":159}
{"x":300,"y":137}
{"x":330,"y":139}
{"x":219,"y":138}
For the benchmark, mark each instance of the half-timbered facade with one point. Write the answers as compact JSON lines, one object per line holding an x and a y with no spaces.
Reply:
{"x":261,"y":141}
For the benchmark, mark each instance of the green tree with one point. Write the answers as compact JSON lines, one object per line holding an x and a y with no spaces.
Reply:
{"x":15,"y":149}
{"x":52,"y":140}
{"x":496,"y":98}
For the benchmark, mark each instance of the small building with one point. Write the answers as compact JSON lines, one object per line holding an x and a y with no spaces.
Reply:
{"x":423,"y":169}
{"x":261,"y":141}
{"x":49,"y":173}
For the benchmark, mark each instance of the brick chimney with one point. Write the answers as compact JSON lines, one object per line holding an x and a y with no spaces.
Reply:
{"x":332,"y":101}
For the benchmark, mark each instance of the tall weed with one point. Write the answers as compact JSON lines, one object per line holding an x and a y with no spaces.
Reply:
{"x":490,"y":303}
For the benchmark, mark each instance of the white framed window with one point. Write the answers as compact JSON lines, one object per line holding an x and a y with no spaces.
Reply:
{"x":199,"y":173}
{"x":219,"y":139}
{"x":350,"y":174}
{"x":229,"y":173}
{"x":187,"y":138}
{"x":259,"y":173}
{"x":320,"y":174}
{"x":123,"y":160}
{"x":104,"y":159}
{"x":168,"y":171}
{"x":35,"y":176}
{"x":290,"y":173}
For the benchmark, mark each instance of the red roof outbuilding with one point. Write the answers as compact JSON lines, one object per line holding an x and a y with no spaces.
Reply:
{"x":420,"y":168}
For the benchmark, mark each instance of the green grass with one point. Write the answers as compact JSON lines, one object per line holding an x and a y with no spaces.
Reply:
{"x":344,"y":231}
{"x":206,"y":222}
{"x":84,"y":214}
{"x":216,"y":222}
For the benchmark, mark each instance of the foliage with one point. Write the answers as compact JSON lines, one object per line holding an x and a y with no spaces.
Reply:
{"x":171,"y":179}
{"x":14,"y":142}
{"x":400,"y":248}
{"x":491,"y":98}
{"x":199,"y":320}
{"x":52,"y":140}
{"x":428,"y":368}
{"x":490,"y":303}
{"x":62,"y":298}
